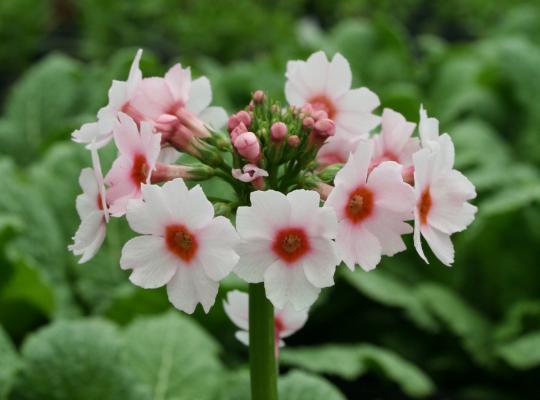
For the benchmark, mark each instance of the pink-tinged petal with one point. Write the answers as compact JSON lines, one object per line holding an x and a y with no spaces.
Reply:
{"x":291,"y":67}
{"x":427,"y":127}
{"x":354,"y":172}
{"x":214,"y":117}
{"x":422,"y":161}
{"x":200,"y":95}
{"x":357,"y":245}
{"x":417,"y":238}
{"x":255,"y":257}
{"x":315,"y":72}
{"x":135,"y":74}
{"x":179,"y":81}
{"x":390,"y":191}
{"x":337,"y":149}
{"x":292,"y":320}
{"x":388,"y":227}
{"x":168,"y":155}
{"x":85,"y":205}
{"x":153,"y":98}
{"x":339,"y":77}
{"x":199,"y":211}
{"x":242,"y":337}
{"x":270,"y":210}
{"x":449,"y":217}
{"x":454,"y":185}
{"x":191,"y":286}
{"x":236,"y":307}
{"x":126,"y":135}
{"x":89,"y":237}
{"x":396,"y":131}
{"x":295,"y":93}
{"x":147,"y":218}
{"x":320,"y":265}
{"x":285,"y":284}
{"x":440,"y":244}
{"x":355,"y":124}
{"x":117,"y":97}
{"x":152,"y":264}
{"x":88,"y":183}
{"x":305,"y":212}
{"x":90,"y":132}
{"x":337,"y":200}
{"x":359,"y":101}
{"x":216,"y":250}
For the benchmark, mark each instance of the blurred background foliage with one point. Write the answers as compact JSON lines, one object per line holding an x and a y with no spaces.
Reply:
{"x":406,"y":330}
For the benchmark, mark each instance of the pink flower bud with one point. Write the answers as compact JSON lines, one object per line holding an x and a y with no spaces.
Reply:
{"x":308,"y":122}
{"x":232,"y":122}
{"x":319,"y":114}
{"x":325,"y":127}
{"x":307,"y":109}
{"x":293,"y":141}
{"x":258,"y":96}
{"x":241,"y":128}
{"x":243,"y":116}
{"x":248,"y":146}
{"x":278,"y":131}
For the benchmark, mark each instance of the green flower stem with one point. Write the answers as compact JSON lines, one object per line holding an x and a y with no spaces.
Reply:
{"x":262,"y":358}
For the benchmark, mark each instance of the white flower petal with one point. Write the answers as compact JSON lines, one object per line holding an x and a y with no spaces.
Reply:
{"x":200,"y":95}
{"x":292,"y":320}
{"x":320,"y":265}
{"x":214,"y":117}
{"x":390,"y":192}
{"x":255,"y":257}
{"x":339,"y":76}
{"x":191,"y":286}
{"x":243,"y":337}
{"x":236,"y":307}
{"x":89,"y":237}
{"x":440,"y":244}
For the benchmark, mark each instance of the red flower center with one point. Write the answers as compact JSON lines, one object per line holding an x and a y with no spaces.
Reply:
{"x":99,"y":202}
{"x":140,"y":169}
{"x":291,"y":244}
{"x":323,"y":103}
{"x":360,"y":205}
{"x":424,"y":206}
{"x":181,"y":242}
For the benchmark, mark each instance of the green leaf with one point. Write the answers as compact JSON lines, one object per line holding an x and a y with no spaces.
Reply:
{"x":511,"y":199}
{"x":173,"y":358}
{"x":468,"y":324}
{"x":298,"y":385}
{"x":383,"y":288}
{"x":9,"y":364}
{"x":352,"y":361}
{"x":75,"y":360}
{"x":40,"y":107}
{"x":522,"y":353}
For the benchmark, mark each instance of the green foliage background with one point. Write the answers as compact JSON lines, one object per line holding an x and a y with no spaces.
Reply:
{"x":406,"y":330}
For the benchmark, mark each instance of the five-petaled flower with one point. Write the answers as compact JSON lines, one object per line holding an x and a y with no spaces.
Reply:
{"x":287,"y":244}
{"x":183,"y":245}
{"x":371,"y":209}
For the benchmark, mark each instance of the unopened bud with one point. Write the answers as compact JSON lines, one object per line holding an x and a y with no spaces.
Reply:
{"x":308,"y":122}
{"x":275,"y":109}
{"x":259,"y":96}
{"x":319,"y":114}
{"x":293,"y":141}
{"x":240,"y":128}
{"x":244,"y":117}
{"x":278,"y":131}
{"x":248,"y":146}
{"x":325,"y":127}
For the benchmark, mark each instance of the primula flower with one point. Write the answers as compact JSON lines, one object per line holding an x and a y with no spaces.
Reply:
{"x":183,"y":246}
{"x":120,"y":94}
{"x":326,"y":86}
{"x":286,"y":321}
{"x":92,"y":209}
{"x":371,"y":209}
{"x":287,"y":243}
{"x":337,"y":150}
{"x":249,"y":173}
{"x":394,"y":143}
{"x":441,"y":193}
{"x":138,"y":153}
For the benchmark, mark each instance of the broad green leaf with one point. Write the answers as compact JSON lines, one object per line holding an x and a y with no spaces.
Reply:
{"x":172,"y":358}
{"x":522,"y":353}
{"x":467,"y":323}
{"x":9,"y":364}
{"x":511,"y":199}
{"x":518,"y":318}
{"x":299,"y":385}
{"x":352,"y":361}
{"x":383,"y":288}
{"x":75,"y":360}
{"x":41,"y":107}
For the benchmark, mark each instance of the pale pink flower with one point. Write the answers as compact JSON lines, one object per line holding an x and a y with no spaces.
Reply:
{"x":395,"y":142}
{"x":183,"y":246}
{"x":138,"y":153}
{"x":326,"y":86}
{"x":176,"y":98}
{"x":286,"y":321}
{"x":120,"y":94}
{"x":287,"y":243}
{"x":371,"y":209}
{"x":92,"y":209}
{"x":249,"y":173}
{"x":428,"y":128}
{"x":441,"y":195}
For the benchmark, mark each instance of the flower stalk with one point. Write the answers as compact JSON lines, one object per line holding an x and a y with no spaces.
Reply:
{"x":262,"y":358}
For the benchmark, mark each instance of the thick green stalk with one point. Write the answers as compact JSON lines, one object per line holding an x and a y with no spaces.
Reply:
{"x":262,"y":358}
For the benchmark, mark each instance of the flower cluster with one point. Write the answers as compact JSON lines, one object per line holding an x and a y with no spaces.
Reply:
{"x":319,"y":181}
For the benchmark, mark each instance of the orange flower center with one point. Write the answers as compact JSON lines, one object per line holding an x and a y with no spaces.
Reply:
{"x":181,"y":242}
{"x":323,"y":103}
{"x":424,"y":206}
{"x":139,"y":169}
{"x":291,"y":244}
{"x":360,"y":205}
